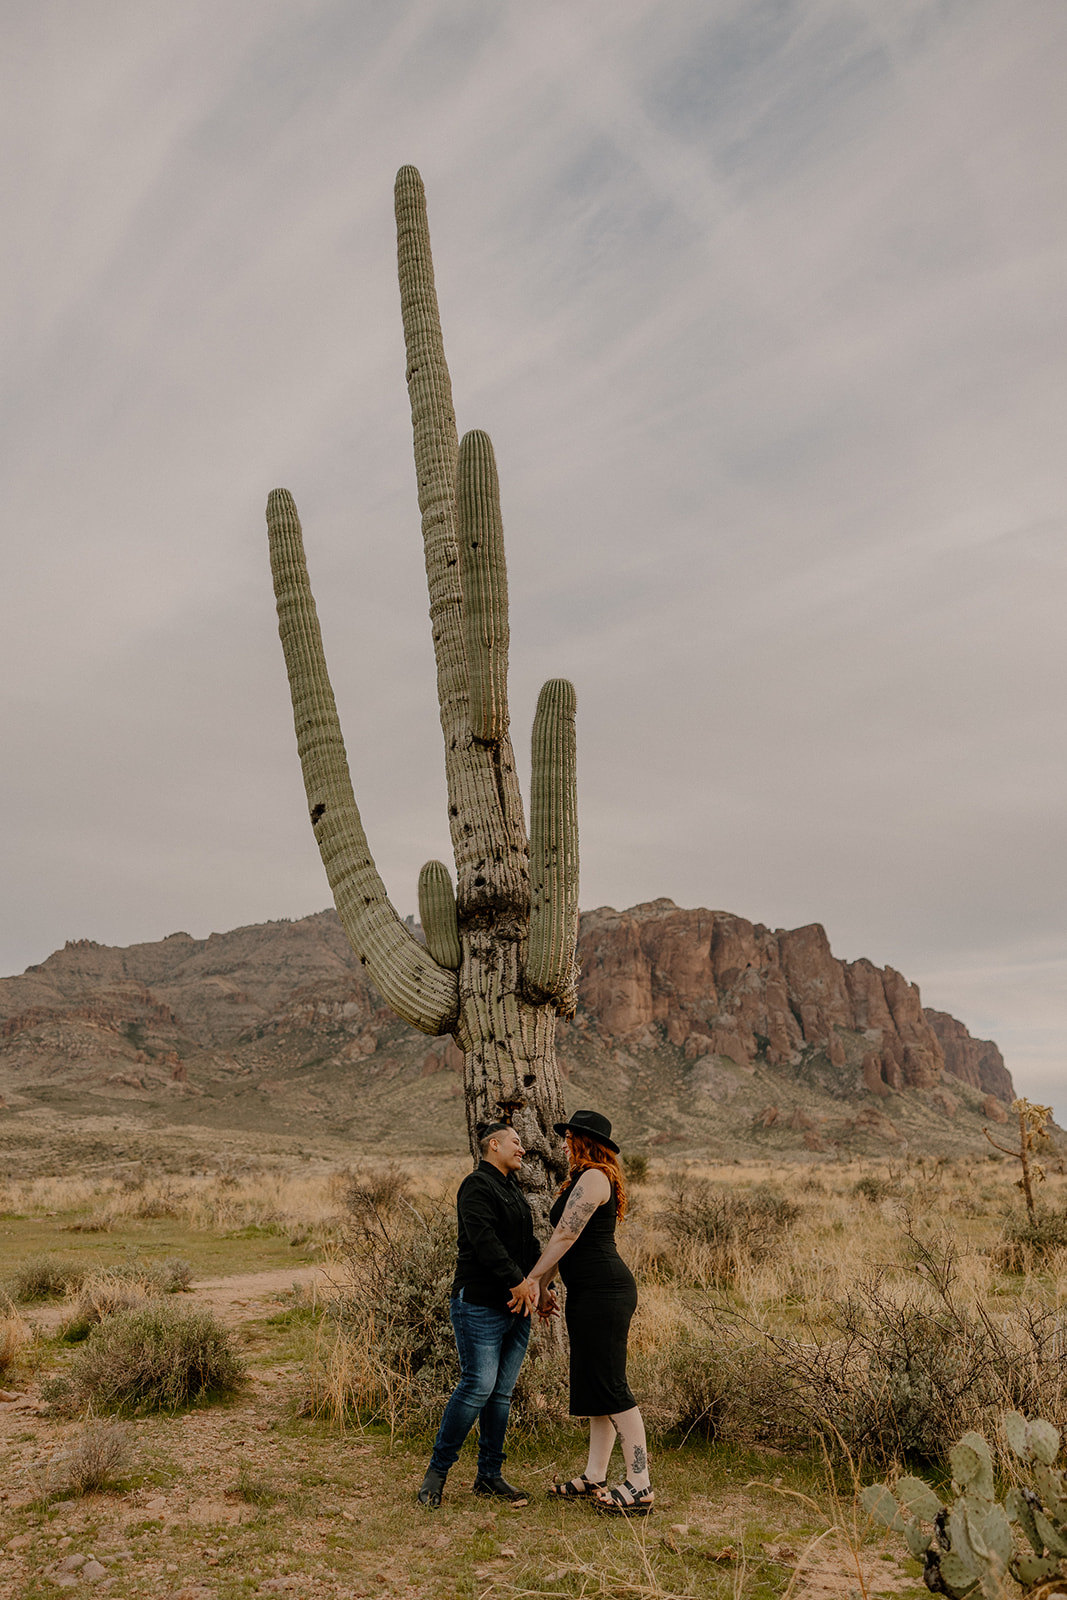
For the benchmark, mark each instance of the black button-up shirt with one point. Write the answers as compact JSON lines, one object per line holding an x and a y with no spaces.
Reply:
{"x":496,"y":1243}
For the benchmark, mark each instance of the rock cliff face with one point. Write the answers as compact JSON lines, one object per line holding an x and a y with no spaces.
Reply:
{"x":974,"y":1061}
{"x":715,"y":984}
{"x":728,"y":1022}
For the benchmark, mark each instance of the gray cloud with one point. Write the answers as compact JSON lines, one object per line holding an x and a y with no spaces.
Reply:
{"x":763,"y":307}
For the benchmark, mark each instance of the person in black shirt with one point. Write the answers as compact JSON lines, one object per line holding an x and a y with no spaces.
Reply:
{"x":492,"y":1298}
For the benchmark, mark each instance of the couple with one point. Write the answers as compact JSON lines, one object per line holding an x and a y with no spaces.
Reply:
{"x":499,"y":1283}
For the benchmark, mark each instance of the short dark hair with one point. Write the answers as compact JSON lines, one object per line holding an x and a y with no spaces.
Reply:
{"x":485,"y":1131}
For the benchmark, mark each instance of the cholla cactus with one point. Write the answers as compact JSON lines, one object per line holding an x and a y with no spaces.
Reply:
{"x":971,"y":1546}
{"x":495,"y":970}
{"x":1032,"y":1132}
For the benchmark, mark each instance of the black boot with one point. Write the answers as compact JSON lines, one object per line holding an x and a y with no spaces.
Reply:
{"x":501,"y":1488}
{"x":433,"y":1487}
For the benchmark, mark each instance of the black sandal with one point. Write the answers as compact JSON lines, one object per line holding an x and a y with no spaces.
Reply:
{"x":626,"y":1501}
{"x":580,"y":1488}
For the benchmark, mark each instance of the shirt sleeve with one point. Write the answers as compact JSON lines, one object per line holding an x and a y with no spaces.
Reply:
{"x":481,"y":1222}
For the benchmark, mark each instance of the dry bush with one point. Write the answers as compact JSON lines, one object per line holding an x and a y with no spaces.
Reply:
{"x":1028,"y":1244}
{"x":393,"y":1353}
{"x":16,"y":1336}
{"x":155,"y":1357}
{"x":103,"y":1453}
{"x":124,"y":1288}
{"x":392,"y":1357}
{"x":42,"y":1277}
{"x":153,"y":1205}
{"x":717,"y":1233}
{"x":635,"y":1166}
{"x":372,"y":1188}
{"x":92,"y":1224}
{"x":894,"y":1374}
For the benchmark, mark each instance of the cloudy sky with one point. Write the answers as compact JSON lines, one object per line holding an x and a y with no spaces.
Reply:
{"x":762,"y":302}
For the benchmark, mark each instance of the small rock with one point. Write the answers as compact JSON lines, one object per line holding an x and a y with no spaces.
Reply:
{"x":20,"y":1541}
{"x":9,"y":1395}
{"x":65,"y":1580}
{"x":72,"y":1562}
{"x":506,"y":1550}
{"x":680,"y":1528}
{"x":94,"y":1571}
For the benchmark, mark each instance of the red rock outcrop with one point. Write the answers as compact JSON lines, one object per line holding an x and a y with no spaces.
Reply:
{"x":718,"y":984}
{"x":974,"y":1061}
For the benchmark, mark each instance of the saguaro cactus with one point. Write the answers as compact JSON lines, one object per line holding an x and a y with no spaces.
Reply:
{"x":496,"y":970}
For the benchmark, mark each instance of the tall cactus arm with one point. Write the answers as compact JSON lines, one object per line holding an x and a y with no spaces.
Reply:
{"x":484,"y":580}
{"x":437,"y":913}
{"x":484,"y":802}
{"x":551,"y":964}
{"x":406,"y":975}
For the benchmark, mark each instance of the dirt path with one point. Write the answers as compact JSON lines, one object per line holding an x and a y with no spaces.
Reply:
{"x":245,"y":1295}
{"x":234,"y":1299}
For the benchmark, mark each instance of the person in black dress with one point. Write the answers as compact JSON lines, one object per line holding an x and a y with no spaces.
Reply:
{"x":601,"y":1300}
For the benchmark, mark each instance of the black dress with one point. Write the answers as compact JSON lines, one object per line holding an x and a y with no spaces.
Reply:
{"x":601,"y":1299}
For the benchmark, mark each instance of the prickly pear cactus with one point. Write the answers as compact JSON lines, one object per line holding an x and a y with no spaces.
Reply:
{"x":975,"y":1542}
{"x":494,"y":973}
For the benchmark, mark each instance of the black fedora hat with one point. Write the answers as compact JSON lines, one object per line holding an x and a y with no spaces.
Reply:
{"x":591,"y":1125}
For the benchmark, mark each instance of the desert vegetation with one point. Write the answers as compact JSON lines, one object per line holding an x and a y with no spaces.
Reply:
{"x":803,"y":1331}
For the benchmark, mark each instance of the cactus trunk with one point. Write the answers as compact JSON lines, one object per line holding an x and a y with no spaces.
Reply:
{"x":495,"y":972}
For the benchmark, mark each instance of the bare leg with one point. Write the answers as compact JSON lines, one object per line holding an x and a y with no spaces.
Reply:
{"x":601,"y":1444}
{"x":631,"y":1430}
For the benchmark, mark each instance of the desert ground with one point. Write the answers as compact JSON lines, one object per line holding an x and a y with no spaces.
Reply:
{"x":300,"y":1480}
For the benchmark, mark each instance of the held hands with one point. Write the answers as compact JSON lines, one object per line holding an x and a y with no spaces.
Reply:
{"x":548,"y":1305}
{"x":524,"y":1297}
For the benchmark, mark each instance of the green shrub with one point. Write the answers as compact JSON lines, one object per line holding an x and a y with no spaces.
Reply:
{"x":155,"y":1357}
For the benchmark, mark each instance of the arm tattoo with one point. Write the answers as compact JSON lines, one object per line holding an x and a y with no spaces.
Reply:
{"x":576,"y":1214}
{"x":578,"y":1210}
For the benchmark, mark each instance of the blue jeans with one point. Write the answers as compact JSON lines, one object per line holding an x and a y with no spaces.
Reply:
{"x":491,"y":1346}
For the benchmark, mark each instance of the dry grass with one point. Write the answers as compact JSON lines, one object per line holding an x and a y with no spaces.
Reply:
{"x":870,"y":1307}
{"x":16,"y":1337}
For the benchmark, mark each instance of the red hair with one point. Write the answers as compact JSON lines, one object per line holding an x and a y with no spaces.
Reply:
{"x":587,"y":1153}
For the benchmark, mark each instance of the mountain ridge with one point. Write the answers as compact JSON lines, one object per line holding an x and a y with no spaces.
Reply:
{"x":697,"y":1029}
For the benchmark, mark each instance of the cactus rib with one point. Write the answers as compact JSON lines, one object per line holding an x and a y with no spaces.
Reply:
{"x":409,"y":980}
{"x":551,"y":966}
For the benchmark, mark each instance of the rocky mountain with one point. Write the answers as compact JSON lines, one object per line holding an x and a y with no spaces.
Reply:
{"x":695,"y":1029}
